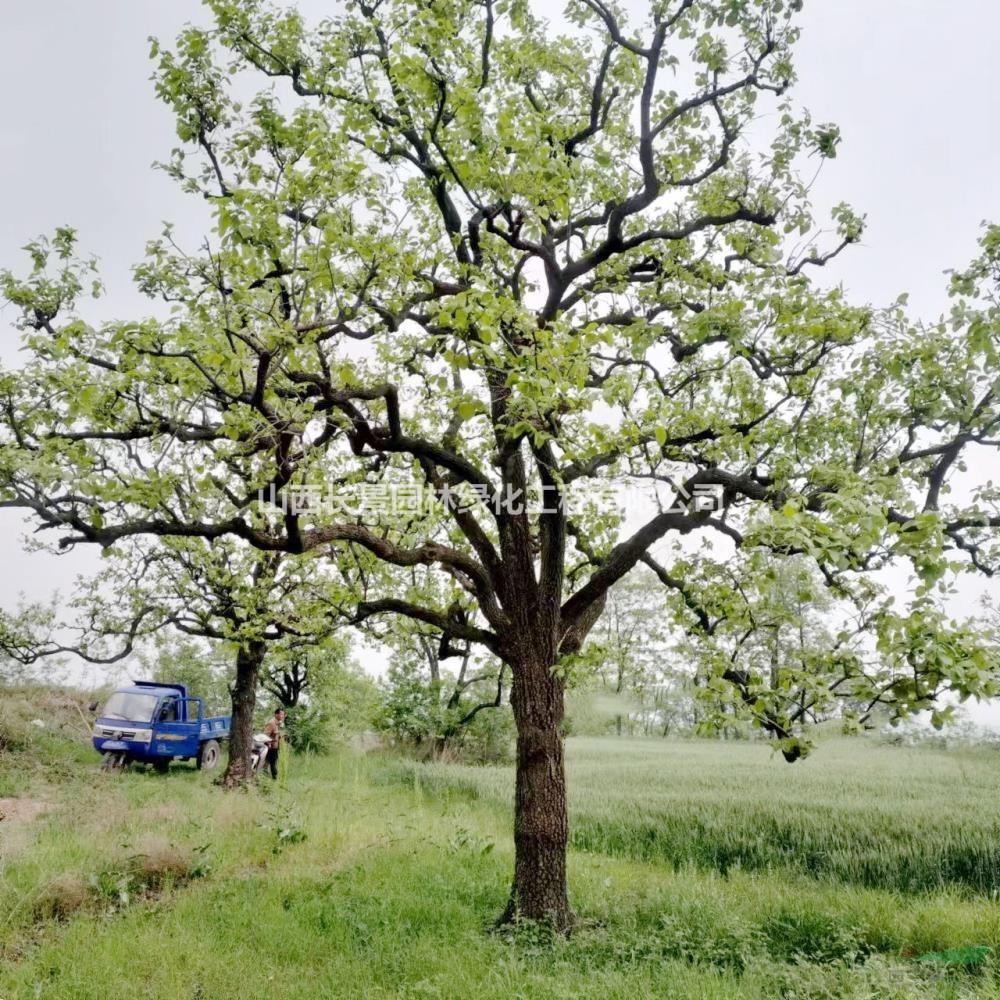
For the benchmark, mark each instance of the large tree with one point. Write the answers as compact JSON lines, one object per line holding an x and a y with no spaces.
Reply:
{"x":459,"y":248}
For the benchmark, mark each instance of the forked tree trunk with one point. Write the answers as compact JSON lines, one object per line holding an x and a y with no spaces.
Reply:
{"x":541,"y":826}
{"x":249,"y":658}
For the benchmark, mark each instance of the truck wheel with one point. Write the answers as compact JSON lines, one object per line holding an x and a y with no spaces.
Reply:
{"x":208,"y":755}
{"x":161,"y":766}
{"x":115,"y":762}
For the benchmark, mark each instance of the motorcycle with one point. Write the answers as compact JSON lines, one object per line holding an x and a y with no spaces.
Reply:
{"x":258,"y":756}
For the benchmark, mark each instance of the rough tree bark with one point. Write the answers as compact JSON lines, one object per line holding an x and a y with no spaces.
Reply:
{"x":249,"y":658}
{"x":541,"y":826}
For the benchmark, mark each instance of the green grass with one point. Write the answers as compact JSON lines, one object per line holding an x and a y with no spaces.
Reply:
{"x":365,"y":877}
{"x":882,"y":817}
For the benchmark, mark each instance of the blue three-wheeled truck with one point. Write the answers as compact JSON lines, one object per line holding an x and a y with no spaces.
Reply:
{"x":152,"y":723}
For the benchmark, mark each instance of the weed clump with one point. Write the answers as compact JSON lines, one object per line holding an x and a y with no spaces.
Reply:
{"x":63,"y":897}
{"x":162,"y":867}
{"x":139,"y":877}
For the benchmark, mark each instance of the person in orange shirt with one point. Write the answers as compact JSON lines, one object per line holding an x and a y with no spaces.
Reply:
{"x":273,"y":731}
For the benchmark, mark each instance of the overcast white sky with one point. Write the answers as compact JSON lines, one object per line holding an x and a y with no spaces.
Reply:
{"x":910,"y":82}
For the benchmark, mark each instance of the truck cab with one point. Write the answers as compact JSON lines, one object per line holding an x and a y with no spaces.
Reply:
{"x":153,"y":723}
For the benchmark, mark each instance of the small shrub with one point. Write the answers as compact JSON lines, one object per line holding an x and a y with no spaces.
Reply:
{"x":287,"y":836}
{"x":13,"y":737}
{"x":308,"y":729}
{"x":488,"y":739}
{"x":464,"y":841}
{"x":419,"y":717}
{"x":876,"y":979}
{"x":529,"y":937}
{"x":286,"y":827}
{"x":112,"y":887}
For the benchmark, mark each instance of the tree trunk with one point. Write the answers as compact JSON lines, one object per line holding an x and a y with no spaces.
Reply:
{"x":249,"y":657}
{"x":541,"y":827}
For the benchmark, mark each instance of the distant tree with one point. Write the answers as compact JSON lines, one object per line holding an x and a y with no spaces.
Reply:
{"x":203,"y":666}
{"x":19,"y":632}
{"x":303,"y":667}
{"x":775,"y":644}
{"x":438,"y":689}
{"x":630,"y":639}
{"x":772,"y":631}
{"x":286,"y":676}
{"x":338,"y":701}
{"x":463,"y":713}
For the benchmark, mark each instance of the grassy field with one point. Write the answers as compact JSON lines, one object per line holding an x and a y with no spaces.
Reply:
{"x":905,"y":819}
{"x":699,"y":870}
